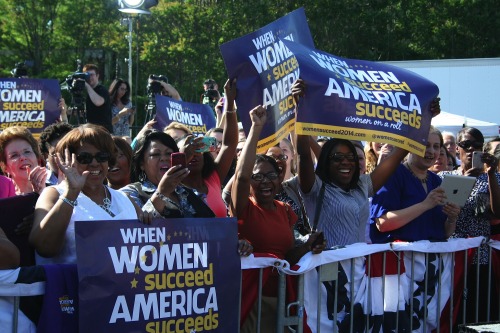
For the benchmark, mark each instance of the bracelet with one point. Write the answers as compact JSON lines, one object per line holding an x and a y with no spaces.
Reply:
{"x":230,"y":111}
{"x":72,"y":203}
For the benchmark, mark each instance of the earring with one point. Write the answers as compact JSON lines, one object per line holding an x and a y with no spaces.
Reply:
{"x":142,"y":176}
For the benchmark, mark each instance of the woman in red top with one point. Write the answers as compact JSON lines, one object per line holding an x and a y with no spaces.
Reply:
{"x":265,"y":222}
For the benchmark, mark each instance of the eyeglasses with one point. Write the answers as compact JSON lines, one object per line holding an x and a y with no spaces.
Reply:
{"x":260,"y":176}
{"x":87,"y":158}
{"x":279,"y":157}
{"x":339,"y":157}
{"x":468,"y":144}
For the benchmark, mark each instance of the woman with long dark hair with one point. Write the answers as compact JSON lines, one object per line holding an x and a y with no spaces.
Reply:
{"x":121,"y":109}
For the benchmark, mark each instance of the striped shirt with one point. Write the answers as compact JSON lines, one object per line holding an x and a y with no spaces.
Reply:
{"x":343,"y":213}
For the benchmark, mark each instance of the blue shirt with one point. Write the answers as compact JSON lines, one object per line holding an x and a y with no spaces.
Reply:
{"x":403,"y":190}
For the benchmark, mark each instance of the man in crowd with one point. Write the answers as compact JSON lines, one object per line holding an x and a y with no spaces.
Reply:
{"x":98,"y":102}
{"x":450,"y":144}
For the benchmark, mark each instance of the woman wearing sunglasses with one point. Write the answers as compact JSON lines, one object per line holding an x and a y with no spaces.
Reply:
{"x":83,"y":155}
{"x":288,"y":192}
{"x":265,"y":222}
{"x":482,"y":206}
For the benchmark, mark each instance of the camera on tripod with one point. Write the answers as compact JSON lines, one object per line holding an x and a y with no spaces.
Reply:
{"x":154,"y":88}
{"x":20,"y":70}
{"x":154,"y":85}
{"x":76,"y":82}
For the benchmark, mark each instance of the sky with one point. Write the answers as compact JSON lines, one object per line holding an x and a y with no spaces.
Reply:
{"x":468,"y":87}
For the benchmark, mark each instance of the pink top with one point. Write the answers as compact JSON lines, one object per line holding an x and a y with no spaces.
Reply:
{"x":7,"y":188}
{"x":214,"y":195}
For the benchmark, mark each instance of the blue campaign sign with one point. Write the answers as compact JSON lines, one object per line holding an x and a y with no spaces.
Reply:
{"x":199,"y":118}
{"x":363,"y":100}
{"x":31,"y":103}
{"x":265,"y":70}
{"x":175,"y":275}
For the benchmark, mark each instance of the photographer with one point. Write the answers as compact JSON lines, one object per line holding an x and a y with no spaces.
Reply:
{"x":211,"y":95}
{"x":98,"y":102}
{"x":20,"y":71}
{"x":166,"y":88}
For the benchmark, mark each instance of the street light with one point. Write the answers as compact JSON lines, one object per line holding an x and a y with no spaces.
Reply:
{"x":132,"y":8}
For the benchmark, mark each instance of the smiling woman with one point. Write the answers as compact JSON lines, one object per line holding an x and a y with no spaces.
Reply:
{"x":263,"y":221}
{"x":157,"y":187}
{"x":83,"y":155}
{"x":20,"y":159}
{"x":119,"y":172}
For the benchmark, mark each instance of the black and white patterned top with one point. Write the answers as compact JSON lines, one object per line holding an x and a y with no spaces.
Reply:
{"x":475,"y":215}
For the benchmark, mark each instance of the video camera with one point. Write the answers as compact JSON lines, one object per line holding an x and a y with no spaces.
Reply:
{"x":20,"y":70}
{"x":154,"y":86}
{"x":76,"y":82}
{"x":211,"y":95}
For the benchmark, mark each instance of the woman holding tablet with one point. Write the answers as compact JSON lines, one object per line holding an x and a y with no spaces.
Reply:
{"x":411,"y":206}
{"x":482,"y":207}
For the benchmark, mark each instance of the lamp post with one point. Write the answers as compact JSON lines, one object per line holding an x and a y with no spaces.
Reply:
{"x":132,"y":8}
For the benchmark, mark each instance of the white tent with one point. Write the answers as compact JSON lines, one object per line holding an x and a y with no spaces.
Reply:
{"x":450,"y":122}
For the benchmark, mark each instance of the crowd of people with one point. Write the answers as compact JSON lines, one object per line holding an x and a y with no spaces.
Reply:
{"x":300,"y":196}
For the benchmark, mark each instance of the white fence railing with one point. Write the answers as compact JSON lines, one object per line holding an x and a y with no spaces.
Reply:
{"x":358,"y":288}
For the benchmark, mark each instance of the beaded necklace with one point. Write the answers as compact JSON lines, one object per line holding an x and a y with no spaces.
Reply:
{"x":422,"y":180}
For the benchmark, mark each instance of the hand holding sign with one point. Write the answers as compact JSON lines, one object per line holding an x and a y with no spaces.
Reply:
{"x":298,"y":90}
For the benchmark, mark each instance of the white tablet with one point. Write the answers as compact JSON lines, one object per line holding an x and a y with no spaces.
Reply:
{"x":458,"y":188}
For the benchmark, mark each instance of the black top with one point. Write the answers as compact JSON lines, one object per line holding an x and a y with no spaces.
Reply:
{"x":100,"y":115}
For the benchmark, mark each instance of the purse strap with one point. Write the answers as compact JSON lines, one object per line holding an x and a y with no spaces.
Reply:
{"x":319,"y":201}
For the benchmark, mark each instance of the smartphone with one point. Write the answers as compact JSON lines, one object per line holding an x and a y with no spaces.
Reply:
{"x":319,"y":240}
{"x":210,"y":144}
{"x":178,"y":159}
{"x":476,"y":160}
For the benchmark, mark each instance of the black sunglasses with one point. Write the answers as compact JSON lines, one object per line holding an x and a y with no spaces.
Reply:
{"x":468,"y":144}
{"x":260,"y":176}
{"x":339,"y":157}
{"x":86,"y":158}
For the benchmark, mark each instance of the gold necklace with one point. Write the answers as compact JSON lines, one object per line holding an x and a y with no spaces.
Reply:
{"x":422,"y":180}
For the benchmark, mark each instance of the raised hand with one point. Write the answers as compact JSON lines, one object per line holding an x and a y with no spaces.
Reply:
{"x":171,"y":179}
{"x":435,"y":106}
{"x":37,"y":177}
{"x":230,"y":90}
{"x":68,"y":166}
{"x":258,"y":115}
{"x":298,"y":90}
{"x":190,"y":145}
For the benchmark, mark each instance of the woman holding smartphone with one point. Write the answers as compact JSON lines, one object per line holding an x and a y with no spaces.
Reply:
{"x":482,"y":206}
{"x":121,"y":110}
{"x":206,"y":173}
{"x":157,"y":184}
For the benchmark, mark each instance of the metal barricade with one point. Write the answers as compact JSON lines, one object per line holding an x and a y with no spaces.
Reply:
{"x":418,"y":289}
